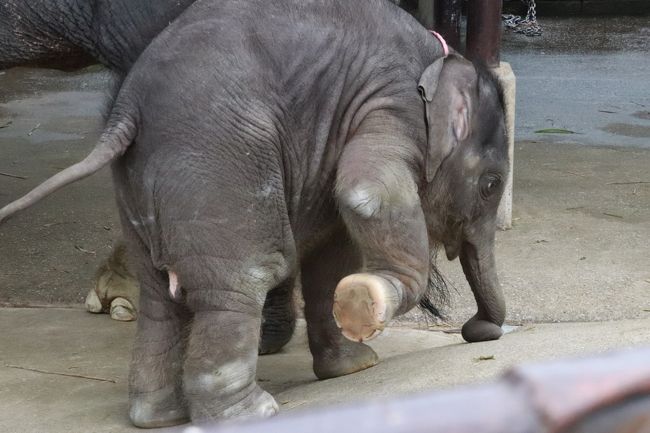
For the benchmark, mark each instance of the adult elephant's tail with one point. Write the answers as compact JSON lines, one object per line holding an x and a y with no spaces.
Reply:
{"x":119,"y":133}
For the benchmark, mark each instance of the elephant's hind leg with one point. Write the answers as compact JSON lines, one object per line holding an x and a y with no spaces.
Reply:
{"x":155,"y":379}
{"x":226,"y":297}
{"x":278,"y":318}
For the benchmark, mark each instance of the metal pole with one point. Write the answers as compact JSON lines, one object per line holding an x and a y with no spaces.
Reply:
{"x":484,"y":31}
{"x":425,"y":13}
{"x":447,"y":16}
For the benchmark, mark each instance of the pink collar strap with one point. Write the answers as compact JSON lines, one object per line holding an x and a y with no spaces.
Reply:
{"x":445,"y":47}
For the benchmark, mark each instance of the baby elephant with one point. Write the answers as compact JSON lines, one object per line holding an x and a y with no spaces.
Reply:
{"x":256,"y":139}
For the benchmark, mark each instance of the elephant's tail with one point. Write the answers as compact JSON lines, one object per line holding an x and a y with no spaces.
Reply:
{"x":119,"y":133}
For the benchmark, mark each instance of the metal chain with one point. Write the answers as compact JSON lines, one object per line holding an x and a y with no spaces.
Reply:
{"x":528,"y":25}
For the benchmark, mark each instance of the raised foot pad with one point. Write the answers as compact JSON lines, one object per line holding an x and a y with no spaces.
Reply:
{"x":361,"y":306}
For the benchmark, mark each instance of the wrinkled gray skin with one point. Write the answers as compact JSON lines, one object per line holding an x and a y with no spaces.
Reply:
{"x":303,"y":145}
{"x":76,"y":33}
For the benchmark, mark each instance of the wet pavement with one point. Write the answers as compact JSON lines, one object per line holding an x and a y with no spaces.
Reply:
{"x":588,"y":76}
{"x":48,"y":121}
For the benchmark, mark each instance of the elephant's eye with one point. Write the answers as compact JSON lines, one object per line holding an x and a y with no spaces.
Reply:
{"x":489,"y":185}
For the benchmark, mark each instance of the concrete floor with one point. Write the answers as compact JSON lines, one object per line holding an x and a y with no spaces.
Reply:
{"x":589,"y":76}
{"x":65,"y":370}
{"x":578,"y":251}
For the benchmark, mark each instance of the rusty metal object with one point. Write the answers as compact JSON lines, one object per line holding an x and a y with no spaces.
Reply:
{"x":447,"y":16}
{"x":484,"y":31}
{"x":486,"y":409}
{"x":610,"y":394}
{"x":564,"y":393}
{"x":630,"y":416}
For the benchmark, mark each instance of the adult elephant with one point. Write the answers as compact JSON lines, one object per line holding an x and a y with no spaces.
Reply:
{"x":314,"y":137}
{"x":76,"y":33}
{"x":71,"y":34}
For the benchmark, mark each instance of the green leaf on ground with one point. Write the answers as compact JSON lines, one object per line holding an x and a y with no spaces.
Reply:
{"x":554,"y":131}
{"x":485,"y":358}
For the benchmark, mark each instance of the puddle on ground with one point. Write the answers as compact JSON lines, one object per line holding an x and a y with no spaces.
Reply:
{"x":18,"y":83}
{"x":644,"y":115}
{"x":628,"y":130}
{"x":508,"y":329}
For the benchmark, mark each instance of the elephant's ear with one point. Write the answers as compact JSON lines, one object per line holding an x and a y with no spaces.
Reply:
{"x":447,"y":116}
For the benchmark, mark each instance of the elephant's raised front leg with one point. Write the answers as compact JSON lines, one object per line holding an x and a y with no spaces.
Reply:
{"x":379,"y":203}
{"x":334,"y":355}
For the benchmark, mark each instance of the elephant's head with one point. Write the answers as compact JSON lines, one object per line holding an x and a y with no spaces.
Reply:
{"x":466,"y":166}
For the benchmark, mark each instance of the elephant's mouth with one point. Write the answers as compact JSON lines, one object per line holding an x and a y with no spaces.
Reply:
{"x":452,"y":249}
{"x":454,"y":240}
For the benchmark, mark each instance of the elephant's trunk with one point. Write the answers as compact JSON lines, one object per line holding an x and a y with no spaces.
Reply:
{"x":478,"y":264}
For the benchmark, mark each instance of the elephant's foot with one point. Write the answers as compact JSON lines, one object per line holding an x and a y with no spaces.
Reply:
{"x":347,"y":358}
{"x":475,"y":330}
{"x":257,"y":404}
{"x":363,"y":304}
{"x":116,"y":289}
{"x":93,"y":303}
{"x":220,"y":367}
{"x":161,"y":408}
{"x":122,"y":310}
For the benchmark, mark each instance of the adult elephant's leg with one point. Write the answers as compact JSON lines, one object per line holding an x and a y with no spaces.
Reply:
{"x":278,"y":318}
{"x":334,"y":355}
{"x":379,"y":203}
{"x":155,"y":379}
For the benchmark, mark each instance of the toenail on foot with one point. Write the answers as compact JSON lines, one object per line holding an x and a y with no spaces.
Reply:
{"x":93,"y":304}
{"x":122,"y":310}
